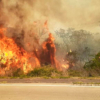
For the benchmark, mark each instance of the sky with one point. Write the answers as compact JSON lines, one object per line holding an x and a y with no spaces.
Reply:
{"x":78,"y":14}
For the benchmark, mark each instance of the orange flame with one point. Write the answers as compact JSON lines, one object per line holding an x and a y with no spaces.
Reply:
{"x":49,"y":50}
{"x":12,"y":56}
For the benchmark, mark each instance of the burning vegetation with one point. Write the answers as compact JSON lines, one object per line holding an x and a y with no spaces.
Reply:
{"x":13,"y":54}
{"x":26,"y":42}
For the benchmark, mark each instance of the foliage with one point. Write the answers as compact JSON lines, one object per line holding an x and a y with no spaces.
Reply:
{"x":17,"y":73}
{"x":71,"y":57}
{"x":81,"y":42}
{"x":43,"y":71}
{"x":74,"y":73}
{"x":93,"y":66}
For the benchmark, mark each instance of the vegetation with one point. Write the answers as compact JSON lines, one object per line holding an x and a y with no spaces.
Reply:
{"x":84,"y":83}
{"x":93,"y":66}
{"x":78,"y":48}
{"x":91,"y":69}
{"x":74,"y":73}
{"x":46,"y":71}
{"x":83,"y":45}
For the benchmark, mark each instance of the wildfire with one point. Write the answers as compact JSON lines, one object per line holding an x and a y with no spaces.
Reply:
{"x":13,"y":56}
{"x":49,"y":50}
{"x":65,"y":66}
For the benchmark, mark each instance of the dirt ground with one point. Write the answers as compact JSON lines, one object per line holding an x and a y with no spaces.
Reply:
{"x":42,"y":80}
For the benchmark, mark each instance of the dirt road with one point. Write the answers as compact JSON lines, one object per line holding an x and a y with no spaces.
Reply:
{"x":38,"y":91}
{"x":41,"y":80}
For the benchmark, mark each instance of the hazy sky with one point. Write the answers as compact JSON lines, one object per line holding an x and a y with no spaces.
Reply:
{"x":78,"y":14}
{"x":83,"y":14}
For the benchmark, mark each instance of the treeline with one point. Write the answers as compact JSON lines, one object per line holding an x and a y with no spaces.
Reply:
{"x":77,"y":46}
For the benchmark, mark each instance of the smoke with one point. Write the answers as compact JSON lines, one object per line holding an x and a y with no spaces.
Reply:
{"x":20,"y":16}
{"x":77,"y":14}
{"x":23,"y":13}
{"x":77,"y":47}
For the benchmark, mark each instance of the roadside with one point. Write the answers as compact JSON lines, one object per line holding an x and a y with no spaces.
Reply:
{"x":74,"y":80}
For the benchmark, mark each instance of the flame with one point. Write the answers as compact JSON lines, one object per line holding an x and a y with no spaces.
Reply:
{"x":70,"y":50}
{"x":49,"y":50}
{"x":13,"y":56}
{"x":66,"y":66}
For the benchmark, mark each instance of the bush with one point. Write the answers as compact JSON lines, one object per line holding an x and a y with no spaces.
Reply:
{"x":42,"y":71}
{"x":93,"y":66}
{"x":74,"y":73}
{"x":17,"y":73}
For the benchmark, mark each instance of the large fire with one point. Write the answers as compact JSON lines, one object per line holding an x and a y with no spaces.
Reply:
{"x":13,"y":56}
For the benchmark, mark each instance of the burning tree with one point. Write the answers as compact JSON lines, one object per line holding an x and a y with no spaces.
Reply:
{"x":14,"y":52}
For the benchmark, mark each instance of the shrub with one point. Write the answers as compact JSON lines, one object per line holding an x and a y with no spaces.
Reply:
{"x":42,"y":71}
{"x":17,"y":73}
{"x":74,"y":73}
{"x":93,"y":66}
